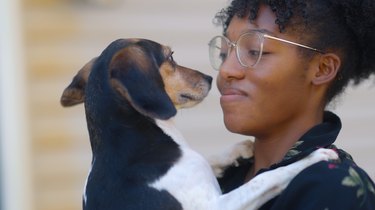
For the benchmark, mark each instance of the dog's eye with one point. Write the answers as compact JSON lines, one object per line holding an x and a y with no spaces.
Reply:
{"x":171,"y":57}
{"x":171,"y":60}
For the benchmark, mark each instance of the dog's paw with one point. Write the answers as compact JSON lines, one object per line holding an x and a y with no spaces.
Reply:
{"x":243,"y":149}
{"x":230,"y":156}
{"x":323,"y":154}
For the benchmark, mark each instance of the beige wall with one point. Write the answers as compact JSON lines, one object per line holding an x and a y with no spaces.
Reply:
{"x":14,"y":138}
{"x":60,"y":36}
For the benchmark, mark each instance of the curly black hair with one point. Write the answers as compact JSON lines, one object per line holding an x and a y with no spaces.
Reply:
{"x":346,"y":27}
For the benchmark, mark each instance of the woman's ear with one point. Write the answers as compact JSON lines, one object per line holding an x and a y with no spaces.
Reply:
{"x":327,"y":69}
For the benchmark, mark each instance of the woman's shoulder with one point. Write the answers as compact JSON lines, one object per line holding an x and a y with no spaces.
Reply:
{"x":337,"y":184}
{"x":343,"y":172}
{"x":340,"y":173}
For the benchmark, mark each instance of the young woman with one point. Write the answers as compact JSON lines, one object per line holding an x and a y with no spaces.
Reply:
{"x":280,"y":63}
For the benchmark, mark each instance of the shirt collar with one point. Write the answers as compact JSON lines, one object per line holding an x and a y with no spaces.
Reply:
{"x":322,"y":135}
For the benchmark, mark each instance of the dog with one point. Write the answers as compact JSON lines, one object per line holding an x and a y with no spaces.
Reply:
{"x":140,"y":160}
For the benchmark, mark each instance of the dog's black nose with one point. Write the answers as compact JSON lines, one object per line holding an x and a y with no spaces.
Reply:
{"x":208,"y":78}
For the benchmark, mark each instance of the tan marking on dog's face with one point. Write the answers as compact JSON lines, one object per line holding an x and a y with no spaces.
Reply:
{"x":167,"y":51}
{"x":186,"y":87}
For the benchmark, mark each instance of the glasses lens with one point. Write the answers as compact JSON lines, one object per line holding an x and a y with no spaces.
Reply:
{"x":249,"y":49}
{"x":218,"y":51}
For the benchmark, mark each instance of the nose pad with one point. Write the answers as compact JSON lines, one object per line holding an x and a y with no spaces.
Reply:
{"x":231,"y":67}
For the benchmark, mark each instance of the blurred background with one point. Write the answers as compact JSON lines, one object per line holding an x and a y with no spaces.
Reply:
{"x":44,"y":149}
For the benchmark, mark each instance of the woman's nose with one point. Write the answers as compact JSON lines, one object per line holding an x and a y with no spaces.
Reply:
{"x":231,"y":67}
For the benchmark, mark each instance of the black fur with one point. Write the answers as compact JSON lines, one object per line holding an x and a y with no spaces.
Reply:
{"x":129,"y":150}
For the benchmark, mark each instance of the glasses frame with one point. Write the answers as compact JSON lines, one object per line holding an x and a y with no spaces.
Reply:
{"x":261,"y":36}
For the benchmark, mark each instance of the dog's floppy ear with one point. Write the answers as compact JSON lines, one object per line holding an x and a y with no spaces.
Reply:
{"x":75,"y":93}
{"x":135,"y":76}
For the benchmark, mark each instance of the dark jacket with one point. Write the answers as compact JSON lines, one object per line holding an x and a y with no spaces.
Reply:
{"x":339,"y":185}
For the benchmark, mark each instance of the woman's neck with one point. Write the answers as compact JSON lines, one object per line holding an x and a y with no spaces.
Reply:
{"x":271,"y":149}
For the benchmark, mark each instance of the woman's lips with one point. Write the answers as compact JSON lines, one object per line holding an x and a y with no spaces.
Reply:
{"x":232,"y":94}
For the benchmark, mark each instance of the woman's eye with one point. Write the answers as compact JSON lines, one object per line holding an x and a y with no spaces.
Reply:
{"x":254,"y":53}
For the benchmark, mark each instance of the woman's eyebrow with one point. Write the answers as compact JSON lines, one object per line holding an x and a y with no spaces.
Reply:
{"x":260,"y":30}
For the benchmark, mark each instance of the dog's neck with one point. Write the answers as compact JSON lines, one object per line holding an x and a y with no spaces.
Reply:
{"x":170,"y":129}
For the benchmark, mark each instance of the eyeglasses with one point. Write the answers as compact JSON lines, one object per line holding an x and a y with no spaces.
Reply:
{"x":249,"y":48}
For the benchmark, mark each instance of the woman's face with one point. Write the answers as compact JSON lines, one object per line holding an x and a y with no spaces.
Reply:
{"x":264,"y":99}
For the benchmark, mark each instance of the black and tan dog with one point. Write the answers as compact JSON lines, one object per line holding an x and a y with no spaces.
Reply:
{"x":140,"y":161}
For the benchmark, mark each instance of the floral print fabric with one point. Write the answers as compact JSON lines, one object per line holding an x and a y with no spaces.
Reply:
{"x":334,"y":185}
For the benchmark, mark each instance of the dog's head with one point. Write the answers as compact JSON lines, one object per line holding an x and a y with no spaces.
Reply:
{"x":144,"y":74}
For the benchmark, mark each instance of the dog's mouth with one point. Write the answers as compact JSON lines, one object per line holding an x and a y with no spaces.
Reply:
{"x":188,"y":97}
{"x":186,"y":100}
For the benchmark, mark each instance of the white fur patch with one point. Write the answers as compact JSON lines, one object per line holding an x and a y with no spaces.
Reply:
{"x":87,"y":179}
{"x":170,"y":129}
{"x":228,"y":157}
{"x":192,"y":182}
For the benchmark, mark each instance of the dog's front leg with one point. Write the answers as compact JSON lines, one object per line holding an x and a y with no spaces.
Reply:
{"x":267,"y":185}
{"x":230,"y":156}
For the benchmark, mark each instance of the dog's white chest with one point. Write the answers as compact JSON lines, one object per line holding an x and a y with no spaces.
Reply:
{"x":191,"y":180}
